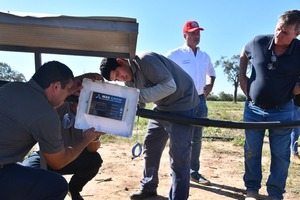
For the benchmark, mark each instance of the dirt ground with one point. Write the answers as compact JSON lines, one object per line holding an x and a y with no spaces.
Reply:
{"x":221,"y":163}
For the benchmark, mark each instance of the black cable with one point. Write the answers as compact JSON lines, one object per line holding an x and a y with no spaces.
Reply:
{"x":205,"y":122}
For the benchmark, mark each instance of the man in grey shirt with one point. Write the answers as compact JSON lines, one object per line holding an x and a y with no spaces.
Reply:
{"x":172,"y":90}
{"x":86,"y":166}
{"x":27,"y":117}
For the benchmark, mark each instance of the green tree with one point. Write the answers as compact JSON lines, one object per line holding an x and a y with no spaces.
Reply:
{"x":212,"y":97}
{"x":225,"y":97}
{"x":231,"y":69}
{"x":7,"y":74}
{"x":241,"y":97}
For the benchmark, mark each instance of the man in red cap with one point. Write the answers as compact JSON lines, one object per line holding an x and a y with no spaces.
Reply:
{"x":198,"y":65}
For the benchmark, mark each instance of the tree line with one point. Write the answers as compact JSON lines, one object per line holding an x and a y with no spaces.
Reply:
{"x":222,"y":96}
{"x":7,"y":74}
{"x":230,"y":69}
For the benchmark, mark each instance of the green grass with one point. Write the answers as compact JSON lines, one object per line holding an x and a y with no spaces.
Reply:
{"x":227,"y":111}
{"x":217,"y":110}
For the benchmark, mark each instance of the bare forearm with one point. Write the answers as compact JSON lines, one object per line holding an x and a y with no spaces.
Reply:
{"x":94,"y":146}
{"x":64,"y":157}
{"x":296,"y":89}
{"x":212,"y":80}
{"x":68,"y":154}
{"x":72,"y":152}
{"x":243,"y":70}
{"x":243,"y":66}
{"x":208,"y":88}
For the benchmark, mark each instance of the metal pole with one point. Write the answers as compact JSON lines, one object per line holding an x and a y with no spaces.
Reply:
{"x":37,"y":60}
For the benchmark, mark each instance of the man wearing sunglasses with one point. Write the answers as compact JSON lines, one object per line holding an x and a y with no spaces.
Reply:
{"x":270,"y":90}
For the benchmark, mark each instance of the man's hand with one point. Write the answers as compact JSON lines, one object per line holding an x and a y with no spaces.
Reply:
{"x":75,"y":89}
{"x":91,"y":134}
{"x":68,"y":154}
{"x":93,"y":76}
{"x":95,"y":144}
{"x":207,"y":89}
{"x":77,"y":86}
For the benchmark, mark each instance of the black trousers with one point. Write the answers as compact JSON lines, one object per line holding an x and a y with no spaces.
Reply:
{"x":84,"y":168}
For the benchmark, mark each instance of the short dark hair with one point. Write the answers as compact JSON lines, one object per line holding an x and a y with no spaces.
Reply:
{"x":52,"y":72}
{"x":107,"y":65}
{"x":291,"y":17}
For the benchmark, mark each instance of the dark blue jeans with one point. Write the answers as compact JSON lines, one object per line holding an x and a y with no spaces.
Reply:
{"x":197,"y":136}
{"x":295,"y":132}
{"x":180,"y":153}
{"x":19,"y":182}
{"x":84,"y":168}
{"x":279,"y":140}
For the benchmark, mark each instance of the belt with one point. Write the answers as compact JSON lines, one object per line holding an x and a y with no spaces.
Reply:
{"x":263,"y":106}
{"x":1,"y":166}
{"x":201,"y":95}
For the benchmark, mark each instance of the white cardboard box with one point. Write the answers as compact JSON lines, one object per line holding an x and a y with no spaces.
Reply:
{"x":107,"y":107}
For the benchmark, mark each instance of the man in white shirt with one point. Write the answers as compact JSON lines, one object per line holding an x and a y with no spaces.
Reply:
{"x":198,"y":65}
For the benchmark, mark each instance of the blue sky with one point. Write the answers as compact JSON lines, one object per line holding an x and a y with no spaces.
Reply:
{"x":228,"y":26}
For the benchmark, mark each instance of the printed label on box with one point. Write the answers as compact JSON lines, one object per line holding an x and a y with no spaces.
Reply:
{"x":105,"y":105}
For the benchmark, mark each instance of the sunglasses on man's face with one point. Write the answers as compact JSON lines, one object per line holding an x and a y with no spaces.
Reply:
{"x":68,"y":120}
{"x":273,"y":64}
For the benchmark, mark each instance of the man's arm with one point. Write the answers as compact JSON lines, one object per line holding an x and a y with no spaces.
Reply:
{"x":77,"y":86}
{"x":68,"y":154}
{"x":158,"y":91}
{"x":156,"y":72}
{"x":243,"y":70}
{"x":297,"y":88}
{"x":208,"y":88}
{"x":93,"y":146}
{"x":93,"y":76}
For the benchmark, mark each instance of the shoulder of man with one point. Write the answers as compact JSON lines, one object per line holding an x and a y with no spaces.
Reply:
{"x":263,"y":37}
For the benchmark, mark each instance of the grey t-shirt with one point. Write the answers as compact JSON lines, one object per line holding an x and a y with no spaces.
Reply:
{"x":71,"y":136}
{"x":155,"y":75}
{"x":26,"y":117}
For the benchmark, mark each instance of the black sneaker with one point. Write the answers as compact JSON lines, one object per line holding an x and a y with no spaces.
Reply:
{"x":75,"y":195}
{"x":198,"y":178}
{"x":252,"y":196}
{"x":142,"y":194}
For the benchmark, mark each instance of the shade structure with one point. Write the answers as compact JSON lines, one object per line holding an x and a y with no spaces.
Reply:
{"x":99,"y":36}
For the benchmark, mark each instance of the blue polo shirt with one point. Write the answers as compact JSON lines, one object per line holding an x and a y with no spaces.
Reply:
{"x":271,"y":82}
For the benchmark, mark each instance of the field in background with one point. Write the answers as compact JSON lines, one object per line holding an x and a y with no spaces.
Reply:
{"x":217,"y":110}
{"x":228,"y":111}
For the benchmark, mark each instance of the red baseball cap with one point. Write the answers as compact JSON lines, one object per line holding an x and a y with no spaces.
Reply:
{"x":191,"y":26}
